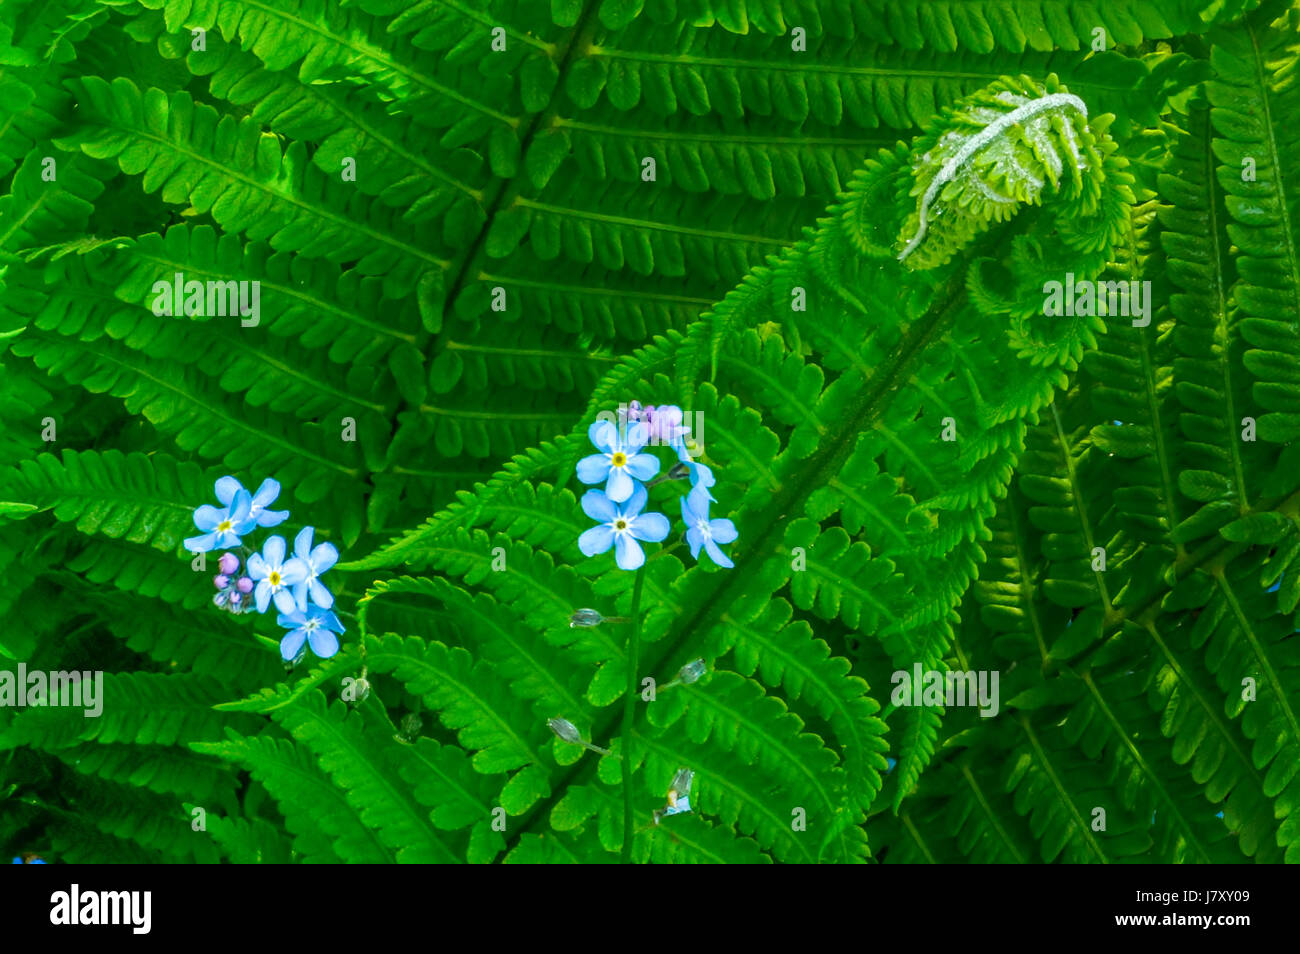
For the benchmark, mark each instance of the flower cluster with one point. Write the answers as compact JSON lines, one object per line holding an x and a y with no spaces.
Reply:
{"x":293,"y":584}
{"x":624,"y":467}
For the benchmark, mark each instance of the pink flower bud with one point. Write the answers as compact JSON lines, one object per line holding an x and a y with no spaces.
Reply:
{"x":221,"y":581}
{"x":228,"y":563}
{"x":244,"y":585}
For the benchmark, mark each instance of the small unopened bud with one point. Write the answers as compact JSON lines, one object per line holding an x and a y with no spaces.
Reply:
{"x":585,"y":617}
{"x":221,"y":581}
{"x":228,"y":564}
{"x":566,"y":730}
{"x":360,"y":691}
{"x":692,"y":672}
{"x":679,"y":471}
{"x":244,"y":584}
{"x":411,"y":726}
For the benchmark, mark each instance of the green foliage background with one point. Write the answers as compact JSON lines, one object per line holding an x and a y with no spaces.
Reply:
{"x":522,"y":169}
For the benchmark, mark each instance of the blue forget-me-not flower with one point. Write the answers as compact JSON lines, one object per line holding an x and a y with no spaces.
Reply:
{"x":228,"y":487}
{"x":703,"y":532}
{"x":621,"y":526}
{"x":317,"y":560}
{"x":620,"y":462}
{"x":314,"y":626}
{"x":276,"y":576}
{"x":223,"y":528}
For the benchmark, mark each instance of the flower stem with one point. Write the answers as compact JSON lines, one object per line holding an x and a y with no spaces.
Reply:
{"x":629,"y":712}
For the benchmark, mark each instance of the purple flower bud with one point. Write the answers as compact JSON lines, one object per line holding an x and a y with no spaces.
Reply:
{"x":236,"y":599}
{"x":228,"y":564}
{"x":244,"y":584}
{"x":221,"y":581}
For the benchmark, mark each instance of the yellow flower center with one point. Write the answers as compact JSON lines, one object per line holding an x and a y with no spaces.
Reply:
{"x":274,"y":578}
{"x":620,"y":524}
{"x":620,"y":459}
{"x":224,"y":525}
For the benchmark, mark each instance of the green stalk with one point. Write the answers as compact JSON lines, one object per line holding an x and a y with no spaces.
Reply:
{"x":629,"y":712}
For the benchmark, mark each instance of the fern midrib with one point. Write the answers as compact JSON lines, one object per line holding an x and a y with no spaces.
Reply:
{"x":1248,"y":631}
{"x":905,"y":450}
{"x":469,"y":13}
{"x":773,"y":744}
{"x":230,"y":420}
{"x":289,"y":198}
{"x":1211,"y":712}
{"x":480,"y":806}
{"x":916,"y":837}
{"x":862,"y":144}
{"x":1284,"y":207}
{"x":31,"y":210}
{"x":379,"y":55}
{"x":391,"y":146}
{"x":500,"y":416}
{"x":850,"y":493}
{"x":340,"y":104}
{"x":523,"y":514}
{"x":1163,"y":455}
{"x":576,"y":357}
{"x":1135,"y":755}
{"x":1063,"y":797}
{"x":317,"y":383}
{"x":322,"y":784}
{"x":268,"y":700}
{"x":396,"y":795}
{"x":289,"y":291}
{"x":519,"y":648}
{"x":843,"y":585}
{"x":567,"y":289}
{"x":742,"y":452}
{"x":1078,"y":500}
{"x":476,"y":557}
{"x":993,"y":817}
{"x":738,"y":791}
{"x":788,"y":399}
{"x":782,"y":66}
{"x":848,"y":728}
{"x":503,"y":186}
{"x":650,"y":225}
{"x":1027,"y":587}
{"x":131,"y":497}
